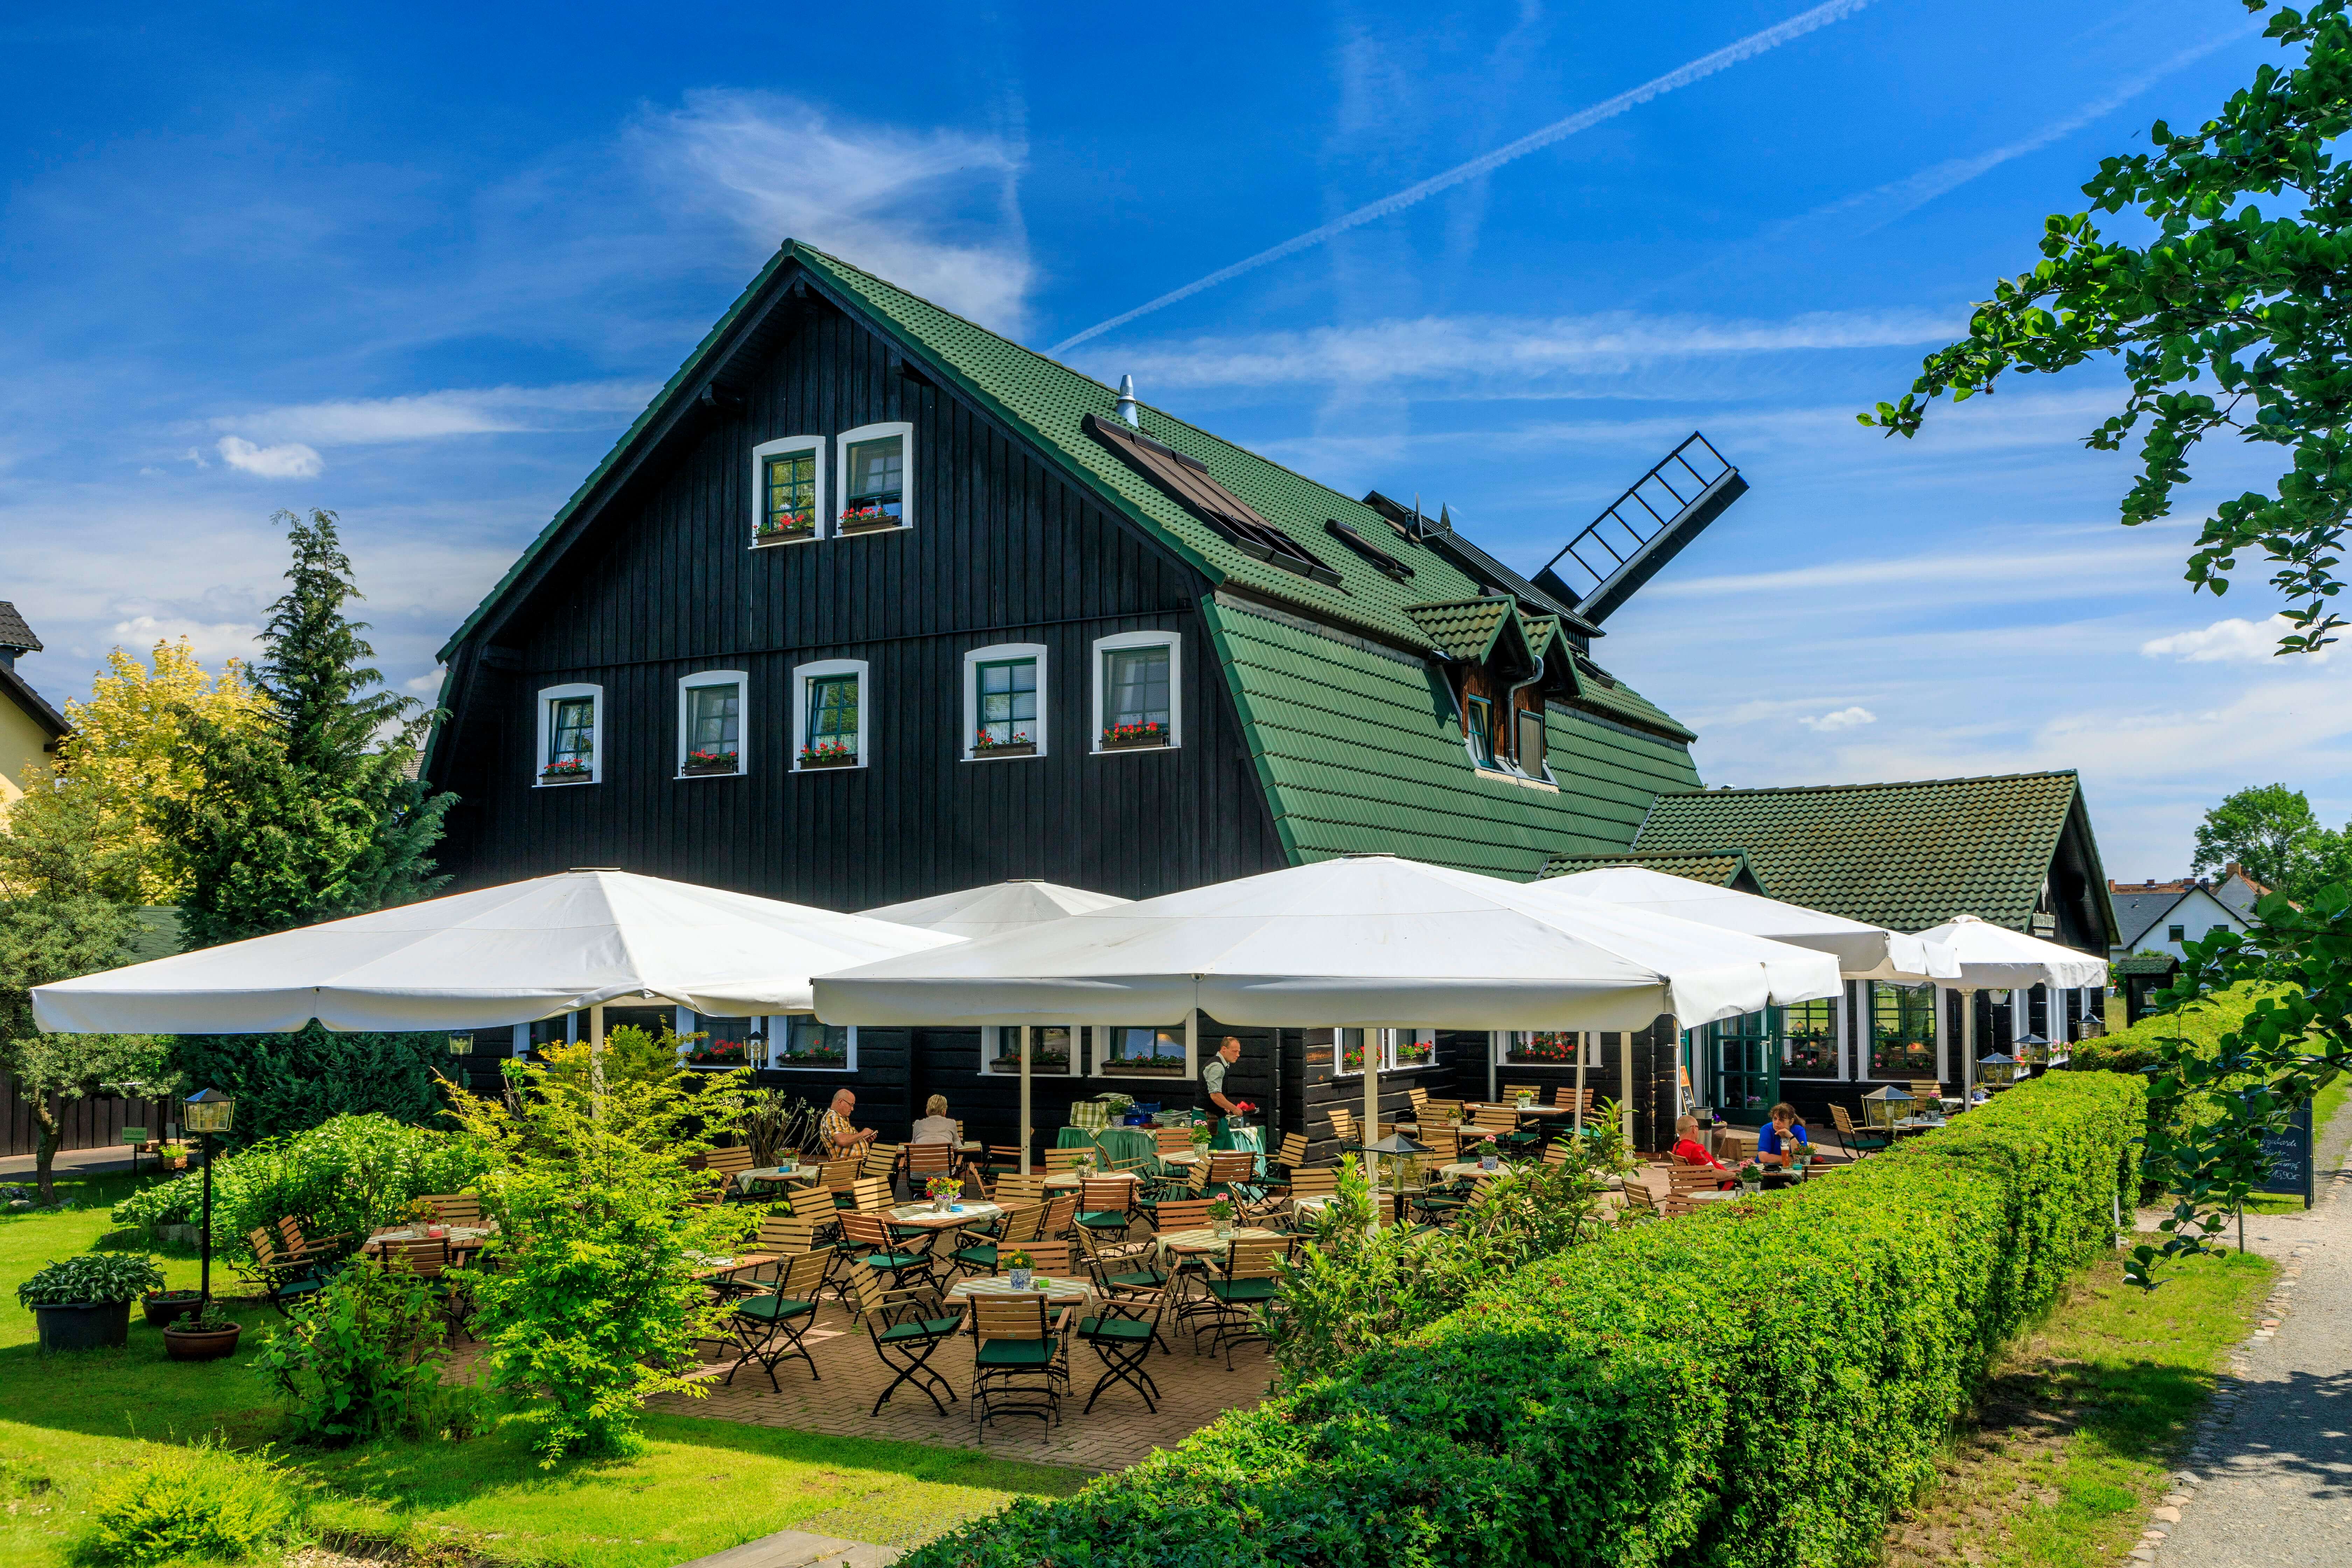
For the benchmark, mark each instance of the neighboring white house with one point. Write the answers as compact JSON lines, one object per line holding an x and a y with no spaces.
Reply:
{"x":2160,"y":917}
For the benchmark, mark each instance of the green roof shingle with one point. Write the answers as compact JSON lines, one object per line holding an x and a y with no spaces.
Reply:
{"x":1716,"y":867}
{"x":1904,"y":856}
{"x":1465,"y":628}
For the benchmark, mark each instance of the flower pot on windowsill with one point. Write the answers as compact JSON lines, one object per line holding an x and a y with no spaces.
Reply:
{"x":703,"y":770}
{"x":565,"y":776}
{"x":201,"y":1344}
{"x":1007,"y":749}
{"x":870,"y":523}
{"x":785,"y":535}
{"x":1144,"y":740}
{"x":849,"y":761}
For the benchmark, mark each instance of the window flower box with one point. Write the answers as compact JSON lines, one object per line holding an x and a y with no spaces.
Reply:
{"x":784,"y":533}
{"x":869,"y":519}
{"x":813,"y":1056}
{"x":830,"y":755}
{"x":1020,"y":746}
{"x":1133,"y":737}
{"x":710,"y":762}
{"x":570,"y":770}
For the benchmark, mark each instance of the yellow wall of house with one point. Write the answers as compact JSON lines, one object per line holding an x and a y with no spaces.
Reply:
{"x":21,"y":749}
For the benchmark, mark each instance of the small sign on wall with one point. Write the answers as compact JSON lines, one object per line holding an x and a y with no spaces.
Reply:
{"x":1319,"y":1055}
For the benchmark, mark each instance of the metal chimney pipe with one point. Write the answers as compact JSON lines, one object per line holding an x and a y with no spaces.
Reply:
{"x":1126,"y":408}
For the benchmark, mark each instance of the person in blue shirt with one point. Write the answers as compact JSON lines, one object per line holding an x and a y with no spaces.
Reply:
{"x":1782,"y":1137}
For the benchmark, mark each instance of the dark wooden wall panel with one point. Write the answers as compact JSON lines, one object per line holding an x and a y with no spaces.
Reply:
{"x":93,"y":1123}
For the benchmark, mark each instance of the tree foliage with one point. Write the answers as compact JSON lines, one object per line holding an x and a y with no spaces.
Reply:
{"x":131,"y":748}
{"x":361,"y":1359}
{"x":2232,"y":318}
{"x":2209,"y":1104}
{"x":2273,"y":834}
{"x":311,"y":815}
{"x":286,"y":1083}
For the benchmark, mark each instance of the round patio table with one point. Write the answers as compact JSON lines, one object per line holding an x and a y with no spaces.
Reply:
{"x":806,"y":1176}
{"x":1196,"y":1243}
{"x":1472,"y":1169}
{"x":1061,"y":1289}
{"x":1067,"y":1181}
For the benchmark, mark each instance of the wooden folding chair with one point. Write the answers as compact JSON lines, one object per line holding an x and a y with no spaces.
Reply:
{"x":1122,"y":1334}
{"x":769,"y":1327}
{"x":870,"y":1242}
{"x":880,"y":1163}
{"x":1051,"y":1259}
{"x":1241,"y":1285}
{"x":456,"y":1208}
{"x":870,"y":1195}
{"x":1564,"y":1094}
{"x":1002,"y":1159}
{"x":1017,"y":1361}
{"x":1293,"y":1153}
{"x":282,"y":1277}
{"x":1851,"y":1140}
{"x":925,"y":1161}
{"x":1125,"y":1262}
{"x":428,"y":1259}
{"x":1107,"y":1206}
{"x":1060,"y":1160}
{"x":981,"y":1248}
{"x":906,"y":1326}
{"x":1343,"y":1127}
{"x":1014,"y":1189}
{"x":1060,"y":1210}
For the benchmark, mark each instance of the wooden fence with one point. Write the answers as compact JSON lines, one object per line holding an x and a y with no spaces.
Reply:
{"x":87,"y":1124}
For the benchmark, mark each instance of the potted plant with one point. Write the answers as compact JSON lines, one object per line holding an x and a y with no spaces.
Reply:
{"x":1019,"y":745}
{"x":1200,"y":1135}
{"x":207,"y":1335}
{"x":702,"y":762}
{"x":1221,"y":1216}
{"x":787,"y":525}
{"x":1133,"y":737}
{"x":1525,"y":1098}
{"x":565,"y":770}
{"x":1751,"y":1177}
{"x":84,"y":1303}
{"x":829,"y":755}
{"x":175,"y":1156}
{"x":1490,"y":1157}
{"x":164,"y":1307}
{"x":1016,"y":1267}
{"x":942,"y":1190}
{"x":869,"y":519}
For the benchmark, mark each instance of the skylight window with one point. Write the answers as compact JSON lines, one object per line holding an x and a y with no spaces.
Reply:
{"x":1187,"y":479}
{"x":1353,"y":538}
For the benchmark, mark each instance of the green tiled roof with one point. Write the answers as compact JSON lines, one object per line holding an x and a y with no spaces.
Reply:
{"x":1906,"y":856}
{"x":1716,"y":867}
{"x":2143,"y":963}
{"x":1466,"y":628}
{"x":1359,"y":750}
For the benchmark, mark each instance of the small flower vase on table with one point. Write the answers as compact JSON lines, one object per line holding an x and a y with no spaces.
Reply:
{"x":1016,"y":1268}
{"x":1490,"y":1158}
{"x":1221,"y":1216}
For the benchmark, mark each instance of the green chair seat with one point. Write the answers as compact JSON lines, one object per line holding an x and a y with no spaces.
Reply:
{"x":887,"y":1262}
{"x":1232,"y":1291}
{"x":1148,"y":1279}
{"x":773,"y":1309}
{"x":927,"y":1328}
{"x":1103,"y":1219}
{"x":982,"y":1256}
{"x":1016,"y":1354}
{"x":1115,"y":1328}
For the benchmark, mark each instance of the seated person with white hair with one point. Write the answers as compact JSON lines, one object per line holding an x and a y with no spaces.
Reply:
{"x":936,"y":1126}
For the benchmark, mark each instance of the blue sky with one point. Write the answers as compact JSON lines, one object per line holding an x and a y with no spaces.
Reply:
{"x":421,"y":263}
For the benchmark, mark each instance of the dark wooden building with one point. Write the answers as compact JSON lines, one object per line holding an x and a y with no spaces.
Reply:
{"x":872,"y":604}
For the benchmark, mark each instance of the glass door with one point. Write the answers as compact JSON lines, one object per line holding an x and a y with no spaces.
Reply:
{"x":1746,"y":1074}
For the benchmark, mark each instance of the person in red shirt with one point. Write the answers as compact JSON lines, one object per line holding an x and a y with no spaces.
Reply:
{"x":1691,"y":1152}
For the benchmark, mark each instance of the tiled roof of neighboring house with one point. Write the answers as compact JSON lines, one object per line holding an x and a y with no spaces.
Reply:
{"x":14,"y":632}
{"x":2143,"y":963}
{"x":1906,"y":856}
{"x":1716,"y":867}
{"x":1465,"y":628}
{"x":1359,"y":749}
{"x":2137,"y":912}
{"x":2239,"y":892}
{"x":36,"y":707}
{"x":1049,"y":403}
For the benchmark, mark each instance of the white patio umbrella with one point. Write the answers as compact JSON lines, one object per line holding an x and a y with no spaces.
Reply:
{"x":991,"y":909}
{"x":1996,"y":958}
{"x":1862,"y":952}
{"x":502,"y":956}
{"x":1363,"y":941}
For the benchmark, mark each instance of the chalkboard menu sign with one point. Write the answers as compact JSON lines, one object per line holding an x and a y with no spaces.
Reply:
{"x":2286,"y":1158}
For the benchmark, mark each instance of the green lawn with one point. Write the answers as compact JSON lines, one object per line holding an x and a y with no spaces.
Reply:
{"x":2081,"y":1419}
{"x":68,"y":1423}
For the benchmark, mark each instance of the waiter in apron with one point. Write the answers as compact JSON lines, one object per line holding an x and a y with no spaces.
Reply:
{"x":1215,"y":1101}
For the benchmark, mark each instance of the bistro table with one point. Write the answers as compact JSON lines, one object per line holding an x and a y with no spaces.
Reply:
{"x":1472,"y":1108}
{"x":1117,"y":1145}
{"x":1061,"y":1289}
{"x":1067,"y":1181}
{"x":719,"y":1266}
{"x":806,"y":1176}
{"x":463,"y":1239}
{"x":1200,"y":1243}
{"x":1476,"y":1171}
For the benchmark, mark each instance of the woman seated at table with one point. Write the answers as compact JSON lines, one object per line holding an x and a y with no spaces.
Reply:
{"x":1783,"y":1139}
{"x":1689,"y":1150}
{"x":937,"y":1126}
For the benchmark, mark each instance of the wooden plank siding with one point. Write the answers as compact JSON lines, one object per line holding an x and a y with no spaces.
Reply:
{"x":95,"y":1122}
{"x":1001,"y":550}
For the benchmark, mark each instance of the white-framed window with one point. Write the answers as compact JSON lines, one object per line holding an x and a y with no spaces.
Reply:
{"x":1546,"y":1047}
{"x":1397,"y":1048}
{"x":1053,"y":1050}
{"x":878,"y":477}
{"x":1004,"y":701}
{"x":1165,"y":1052}
{"x":712,"y":1044}
{"x":788,"y":488}
{"x":796,"y":1042}
{"x":1138,"y":692}
{"x":832,"y":709}
{"x":712,"y":706}
{"x":571,"y":735}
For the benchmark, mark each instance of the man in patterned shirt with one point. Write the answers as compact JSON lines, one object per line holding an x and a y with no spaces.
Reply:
{"x":835,"y":1133}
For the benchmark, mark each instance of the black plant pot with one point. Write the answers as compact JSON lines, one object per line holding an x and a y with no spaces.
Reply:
{"x":168,"y":1307}
{"x":83,"y":1325}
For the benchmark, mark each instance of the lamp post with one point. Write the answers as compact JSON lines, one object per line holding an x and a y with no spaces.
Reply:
{"x":203,"y":1113}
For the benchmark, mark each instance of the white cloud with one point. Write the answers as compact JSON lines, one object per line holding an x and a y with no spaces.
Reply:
{"x":1844,"y":719}
{"x":1518,"y":350}
{"x":430,"y":415}
{"x":292,"y":460}
{"x":2231,"y":641}
{"x":936,"y":212}
{"x":212,"y":641}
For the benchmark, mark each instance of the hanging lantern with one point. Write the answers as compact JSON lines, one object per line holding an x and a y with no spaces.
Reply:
{"x":1997,"y":1072}
{"x":1882,"y":1108}
{"x":461,"y":1045}
{"x":208,"y":1110}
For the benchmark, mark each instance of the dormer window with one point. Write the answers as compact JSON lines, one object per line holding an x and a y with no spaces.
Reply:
{"x":1479,"y":716}
{"x":874,"y":477}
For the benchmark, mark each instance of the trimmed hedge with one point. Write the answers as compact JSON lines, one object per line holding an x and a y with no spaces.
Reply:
{"x":1759,"y":1384}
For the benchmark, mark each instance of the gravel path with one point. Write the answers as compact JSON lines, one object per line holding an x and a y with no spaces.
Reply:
{"x":2269,"y":1482}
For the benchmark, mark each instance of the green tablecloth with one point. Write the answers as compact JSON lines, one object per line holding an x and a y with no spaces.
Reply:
{"x":1251,"y":1138}
{"x":1119,"y":1144}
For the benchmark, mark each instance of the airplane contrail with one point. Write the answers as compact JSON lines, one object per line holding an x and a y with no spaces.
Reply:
{"x":1754,"y":43}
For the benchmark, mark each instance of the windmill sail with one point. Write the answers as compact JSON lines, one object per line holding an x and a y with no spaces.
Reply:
{"x":1642,"y":529}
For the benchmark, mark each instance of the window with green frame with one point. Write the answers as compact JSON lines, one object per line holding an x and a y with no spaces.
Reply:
{"x":832,"y":735}
{"x":800,"y":1041}
{"x":1006,"y":699}
{"x":1902,"y":1030}
{"x":790,"y":502}
{"x":1479,"y":723}
{"x":1810,"y":1030}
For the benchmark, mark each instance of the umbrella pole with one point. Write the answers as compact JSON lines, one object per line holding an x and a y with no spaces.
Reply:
{"x":596,"y":1061}
{"x":1024,"y":1099}
{"x":1968,"y":1044}
{"x":1373,"y":1118}
{"x":1577,"y":1115}
{"x":1625,"y":1086}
